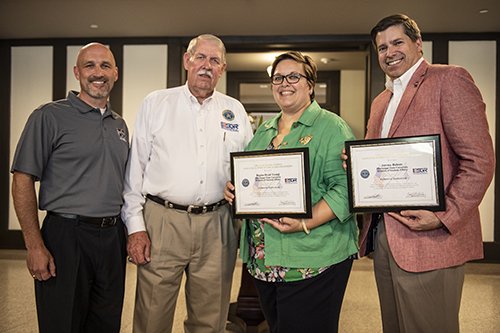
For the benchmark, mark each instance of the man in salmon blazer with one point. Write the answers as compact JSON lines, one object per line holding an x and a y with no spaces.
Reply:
{"x":419,"y":255}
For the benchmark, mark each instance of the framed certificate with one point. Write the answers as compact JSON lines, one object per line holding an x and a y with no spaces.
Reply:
{"x":271,"y":183}
{"x":394,"y":174}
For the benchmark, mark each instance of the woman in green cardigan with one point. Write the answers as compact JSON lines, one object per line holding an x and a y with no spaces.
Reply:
{"x":301,"y":267}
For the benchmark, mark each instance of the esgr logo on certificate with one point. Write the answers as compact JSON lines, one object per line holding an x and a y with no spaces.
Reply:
{"x":290,"y":180}
{"x":420,"y":171}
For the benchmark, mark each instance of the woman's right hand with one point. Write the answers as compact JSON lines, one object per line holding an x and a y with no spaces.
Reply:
{"x":229,"y":192}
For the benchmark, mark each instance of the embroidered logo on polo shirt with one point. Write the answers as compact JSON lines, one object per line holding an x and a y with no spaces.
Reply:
{"x":122,"y":134}
{"x":229,"y":127}
{"x":228,"y":115}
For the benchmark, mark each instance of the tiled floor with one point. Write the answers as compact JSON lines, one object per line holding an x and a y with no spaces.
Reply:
{"x":480,"y":311}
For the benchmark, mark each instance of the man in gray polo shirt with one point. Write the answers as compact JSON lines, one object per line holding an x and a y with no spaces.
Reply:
{"x":77,"y":148}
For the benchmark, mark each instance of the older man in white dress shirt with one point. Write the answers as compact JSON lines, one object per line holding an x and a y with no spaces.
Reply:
{"x":174,"y":210}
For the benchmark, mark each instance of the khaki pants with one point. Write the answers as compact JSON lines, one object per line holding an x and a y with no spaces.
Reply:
{"x":204,"y":246}
{"x":422,"y":302}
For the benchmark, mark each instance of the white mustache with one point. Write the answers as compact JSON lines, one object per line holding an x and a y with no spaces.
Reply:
{"x":203,"y":72}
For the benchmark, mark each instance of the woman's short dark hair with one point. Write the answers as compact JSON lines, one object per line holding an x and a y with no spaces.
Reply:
{"x":410,"y":27}
{"x":310,"y":68}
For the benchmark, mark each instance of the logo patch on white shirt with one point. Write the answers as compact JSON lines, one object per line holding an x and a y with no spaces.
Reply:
{"x":228,"y":115}
{"x":229,"y":127}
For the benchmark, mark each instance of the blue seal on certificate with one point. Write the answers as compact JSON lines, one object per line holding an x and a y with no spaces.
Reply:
{"x":365,"y":174}
{"x":245,"y":182}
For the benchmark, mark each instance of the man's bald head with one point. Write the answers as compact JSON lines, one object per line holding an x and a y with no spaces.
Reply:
{"x":97,"y":72}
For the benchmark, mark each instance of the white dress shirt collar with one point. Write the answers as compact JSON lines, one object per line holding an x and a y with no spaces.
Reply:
{"x":193,"y":99}
{"x":405,"y":78}
{"x":397,"y":87}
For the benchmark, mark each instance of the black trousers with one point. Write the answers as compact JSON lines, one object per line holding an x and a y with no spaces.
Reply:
{"x":311,"y":305}
{"x":87,"y":293}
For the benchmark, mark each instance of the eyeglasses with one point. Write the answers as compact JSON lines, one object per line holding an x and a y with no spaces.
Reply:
{"x":290,"y":78}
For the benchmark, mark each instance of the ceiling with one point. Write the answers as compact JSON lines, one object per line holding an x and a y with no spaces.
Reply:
{"x":27,"y":19}
{"x":132,"y":18}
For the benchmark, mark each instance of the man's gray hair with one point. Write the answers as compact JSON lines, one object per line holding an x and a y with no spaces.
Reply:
{"x":211,"y":39}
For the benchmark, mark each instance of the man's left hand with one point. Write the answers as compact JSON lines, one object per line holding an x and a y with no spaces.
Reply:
{"x":139,"y":247}
{"x":418,"y":220}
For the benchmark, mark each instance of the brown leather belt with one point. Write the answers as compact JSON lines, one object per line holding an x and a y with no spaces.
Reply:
{"x":191,"y":208}
{"x":103,"y":222}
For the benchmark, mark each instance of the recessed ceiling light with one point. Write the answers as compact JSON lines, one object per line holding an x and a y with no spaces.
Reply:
{"x":483,"y":11}
{"x":94,"y":26}
{"x":326,"y":60}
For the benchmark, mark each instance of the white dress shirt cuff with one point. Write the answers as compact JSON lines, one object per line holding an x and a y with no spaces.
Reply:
{"x":135,"y":224}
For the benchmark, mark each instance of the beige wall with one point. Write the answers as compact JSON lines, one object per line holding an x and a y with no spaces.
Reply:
{"x":31,"y":86}
{"x":479,"y":58}
{"x":352,"y":100}
{"x":145,"y":70}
